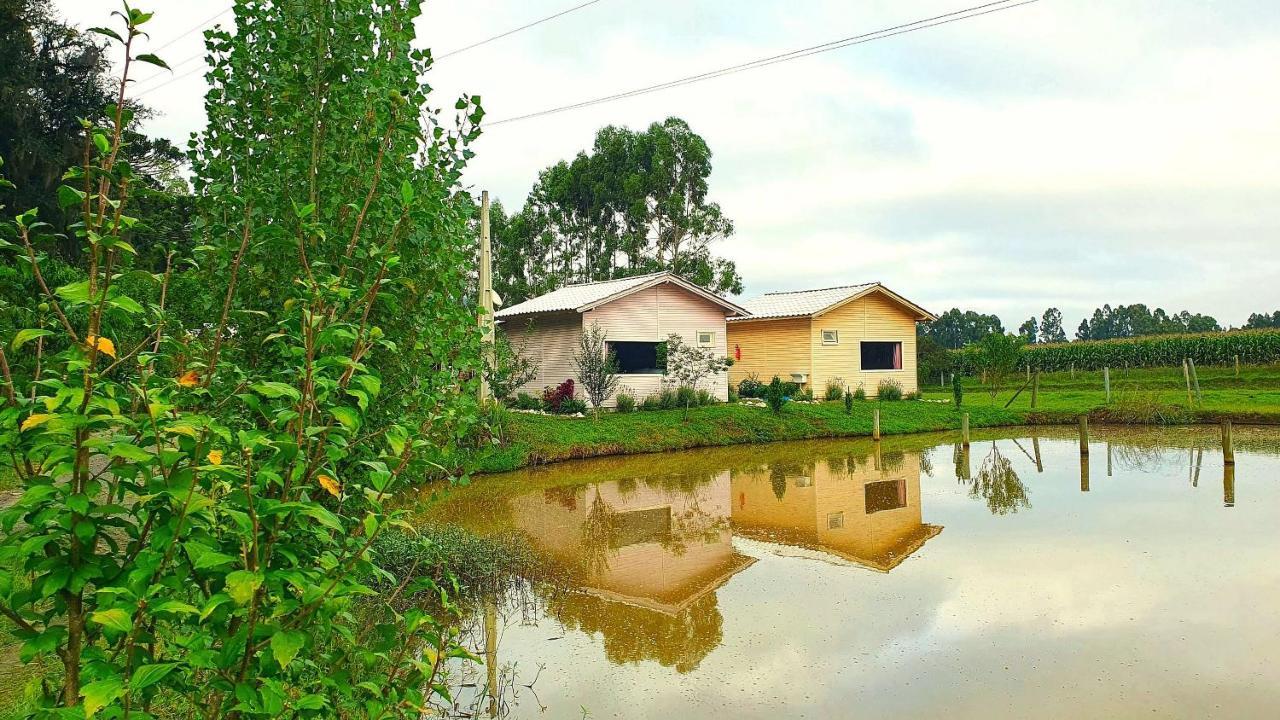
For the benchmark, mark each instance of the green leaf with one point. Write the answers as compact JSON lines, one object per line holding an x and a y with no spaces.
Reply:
{"x":149,"y":675}
{"x":406,"y":192}
{"x":129,"y":451}
{"x":286,"y":644}
{"x":242,"y":584}
{"x":25,"y":336}
{"x":107,"y":32}
{"x":104,"y":145}
{"x":114,"y":619}
{"x":275,"y":390}
{"x":69,"y":196}
{"x":100,"y":694}
{"x":153,"y":60}
{"x":348,"y":417}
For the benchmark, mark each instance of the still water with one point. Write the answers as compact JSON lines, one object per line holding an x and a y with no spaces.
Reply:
{"x":841,"y":579}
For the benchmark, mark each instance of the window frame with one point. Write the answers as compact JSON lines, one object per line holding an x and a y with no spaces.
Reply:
{"x":835,"y":520}
{"x":711,"y":338}
{"x":835,"y":337}
{"x":902,"y":350}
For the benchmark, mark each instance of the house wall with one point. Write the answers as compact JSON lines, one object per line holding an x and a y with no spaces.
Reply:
{"x":549,"y":339}
{"x":651,"y":315}
{"x":873,"y":317}
{"x":769,"y":347}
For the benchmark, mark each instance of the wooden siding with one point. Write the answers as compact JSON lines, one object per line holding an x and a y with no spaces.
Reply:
{"x":651,"y":315}
{"x":873,"y":317}
{"x":550,"y":340}
{"x":770,"y":347}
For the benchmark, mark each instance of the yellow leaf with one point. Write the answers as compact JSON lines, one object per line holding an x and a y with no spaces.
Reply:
{"x":189,"y":378}
{"x":35,"y":420}
{"x":329,"y":484}
{"x":215,"y":457}
{"x":104,"y":345}
{"x":182,"y":430}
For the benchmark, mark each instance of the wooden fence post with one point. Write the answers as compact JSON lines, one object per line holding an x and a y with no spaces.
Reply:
{"x":1106,"y":381}
{"x":1237,"y":366}
{"x":1229,"y":485}
{"x":1228,"y":451}
{"x":1084,"y":473}
{"x":1186,"y":375}
{"x":1035,"y":388}
{"x":1084,"y":435}
{"x":964,"y":429}
{"x":875,"y":424}
{"x":1195,"y":379}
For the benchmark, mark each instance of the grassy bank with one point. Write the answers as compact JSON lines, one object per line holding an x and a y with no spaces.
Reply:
{"x":1145,"y":396}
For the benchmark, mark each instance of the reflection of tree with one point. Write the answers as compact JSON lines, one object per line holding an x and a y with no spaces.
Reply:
{"x":926,"y":461}
{"x":693,"y":523}
{"x":960,"y":455}
{"x":633,"y":634}
{"x":597,"y":529}
{"x":999,"y":485}
{"x":892,"y":460}
{"x":778,"y":477}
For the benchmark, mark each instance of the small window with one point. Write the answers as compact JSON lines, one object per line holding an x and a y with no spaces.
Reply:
{"x":835,"y":520}
{"x":885,"y":495}
{"x":881,"y":356}
{"x":706,"y":338}
{"x":639,"y":358}
{"x":830,"y":337}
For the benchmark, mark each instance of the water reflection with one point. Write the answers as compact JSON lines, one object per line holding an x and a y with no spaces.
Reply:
{"x":714,"y":583}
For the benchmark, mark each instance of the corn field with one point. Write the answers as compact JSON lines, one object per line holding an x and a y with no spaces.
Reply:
{"x":1219,"y":348}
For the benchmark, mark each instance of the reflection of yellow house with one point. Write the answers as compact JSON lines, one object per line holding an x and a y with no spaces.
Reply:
{"x":846,"y":507}
{"x":640,"y":543}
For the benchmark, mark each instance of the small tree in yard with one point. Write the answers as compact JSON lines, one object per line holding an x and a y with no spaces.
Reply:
{"x":998,"y":356}
{"x":508,"y":368}
{"x":597,"y":367}
{"x":688,"y":365}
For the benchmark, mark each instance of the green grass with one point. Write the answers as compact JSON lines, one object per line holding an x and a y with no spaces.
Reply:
{"x":1140,"y":396}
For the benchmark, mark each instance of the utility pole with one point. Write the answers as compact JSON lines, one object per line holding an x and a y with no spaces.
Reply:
{"x":486,"y":296}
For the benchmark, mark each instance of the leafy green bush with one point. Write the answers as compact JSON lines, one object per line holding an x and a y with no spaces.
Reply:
{"x":848,"y":402}
{"x":835,"y":389}
{"x":686,"y":396}
{"x":571,"y":406}
{"x":525,"y":401}
{"x":626,"y":403}
{"x":1210,"y":348}
{"x":751,"y":387}
{"x":554,"y":397}
{"x":805,"y":395}
{"x":652,"y":402}
{"x":775,"y":395}
{"x":957,"y":390}
{"x":913,"y":395}
{"x":668,"y":399}
{"x":733,"y":395}
{"x":704,"y":397}
{"x":860,"y":394}
{"x":889,"y":389}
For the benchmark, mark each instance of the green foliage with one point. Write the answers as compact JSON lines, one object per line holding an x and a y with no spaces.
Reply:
{"x":1137,"y":320}
{"x":913,"y":395}
{"x":1029,"y":330}
{"x":954,"y":329}
{"x":957,"y":390}
{"x":625,"y":402}
{"x":750,"y":386}
{"x":652,"y":402}
{"x":848,"y":402}
{"x":447,"y":555}
{"x":668,"y":399}
{"x":889,"y":389}
{"x":525,"y":401}
{"x":572,"y":406}
{"x":1051,"y":327}
{"x":703,"y":397}
{"x":597,"y":366}
{"x":554,"y":397}
{"x":1212,"y":348}
{"x":636,"y":203}
{"x":834,"y":389}
{"x":199,"y":501}
{"x":860,"y":394}
{"x":775,"y":395}
{"x":1262,"y":320}
{"x":998,"y":356}
{"x":507,"y":367}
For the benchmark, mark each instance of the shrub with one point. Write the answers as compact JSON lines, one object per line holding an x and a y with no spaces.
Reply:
{"x":835,"y":389}
{"x":913,"y":395}
{"x":751,"y":387}
{"x":653,"y":402}
{"x":733,"y":395}
{"x":554,"y":397}
{"x":686,"y":396}
{"x":775,"y":395}
{"x":860,"y":394}
{"x":704,"y":398}
{"x":806,"y":395}
{"x":507,"y":368}
{"x":848,"y":403}
{"x":957,"y":389}
{"x":667,"y":399}
{"x":572,"y":406}
{"x":525,"y":401}
{"x":889,"y":390}
{"x":597,"y":366}
{"x":626,"y":403}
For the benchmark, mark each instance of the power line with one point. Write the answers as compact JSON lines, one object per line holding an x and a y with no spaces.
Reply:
{"x":513,"y":31}
{"x":198,"y":26}
{"x":945,"y":18}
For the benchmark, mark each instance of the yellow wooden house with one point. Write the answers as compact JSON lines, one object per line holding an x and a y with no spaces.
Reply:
{"x":856,"y":335}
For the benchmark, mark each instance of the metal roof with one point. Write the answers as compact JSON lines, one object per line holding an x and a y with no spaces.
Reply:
{"x":807,"y":303}
{"x":586,"y":296}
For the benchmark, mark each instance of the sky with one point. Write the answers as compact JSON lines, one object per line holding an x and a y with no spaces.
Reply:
{"x":1064,"y":153}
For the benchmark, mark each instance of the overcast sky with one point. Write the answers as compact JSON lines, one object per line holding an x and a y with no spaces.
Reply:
{"x":1064,"y":153}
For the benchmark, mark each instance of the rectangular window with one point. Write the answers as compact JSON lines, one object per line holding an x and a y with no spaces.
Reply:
{"x":881,"y":356}
{"x":835,"y":520}
{"x":885,"y":495}
{"x":638,"y":358}
{"x":830,"y":337}
{"x":639,"y":526}
{"x":706,"y":338}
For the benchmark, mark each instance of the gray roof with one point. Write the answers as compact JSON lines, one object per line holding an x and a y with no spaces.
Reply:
{"x":806,"y":303}
{"x":586,"y":296}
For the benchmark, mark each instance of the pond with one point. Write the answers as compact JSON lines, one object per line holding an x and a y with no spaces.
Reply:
{"x":905,"y":579}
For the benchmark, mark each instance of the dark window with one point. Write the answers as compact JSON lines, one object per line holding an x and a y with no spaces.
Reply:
{"x":637,"y":358}
{"x":638,"y":526}
{"x":885,"y":495}
{"x":881,"y":356}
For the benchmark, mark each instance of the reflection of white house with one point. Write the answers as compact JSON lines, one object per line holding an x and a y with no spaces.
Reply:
{"x":859,"y":513}
{"x":636,"y":313}
{"x":638,"y":543}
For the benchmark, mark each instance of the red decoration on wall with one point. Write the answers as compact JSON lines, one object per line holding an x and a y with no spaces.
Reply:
{"x":737,"y":351}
